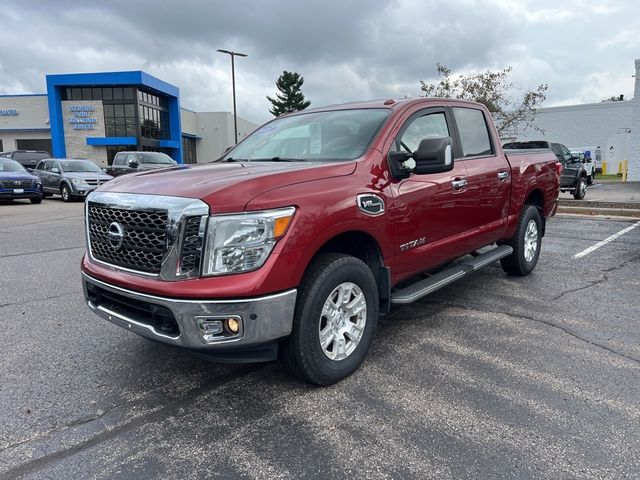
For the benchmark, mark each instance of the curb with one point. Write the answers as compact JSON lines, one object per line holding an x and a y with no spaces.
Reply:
{"x":604,"y":211}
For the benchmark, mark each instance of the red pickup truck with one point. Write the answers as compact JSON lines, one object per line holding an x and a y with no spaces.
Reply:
{"x":295,"y":241}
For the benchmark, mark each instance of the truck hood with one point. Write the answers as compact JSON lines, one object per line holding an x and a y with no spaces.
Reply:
{"x":17,"y":176}
{"x":226,"y":187}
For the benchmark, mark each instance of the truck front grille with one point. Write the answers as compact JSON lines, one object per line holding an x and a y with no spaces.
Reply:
{"x":143,"y":237}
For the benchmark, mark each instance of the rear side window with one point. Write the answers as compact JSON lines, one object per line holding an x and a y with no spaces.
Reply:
{"x":474,"y":134}
{"x":119,"y":160}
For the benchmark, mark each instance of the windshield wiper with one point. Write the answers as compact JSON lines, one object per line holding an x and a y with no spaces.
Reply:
{"x":235,"y":159}
{"x":278,"y":159}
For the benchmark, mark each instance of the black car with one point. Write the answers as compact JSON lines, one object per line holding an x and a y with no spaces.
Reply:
{"x":574,"y":179}
{"x":129,"y":162}
{"x":27,"y":158}
{"x":16,"y":182}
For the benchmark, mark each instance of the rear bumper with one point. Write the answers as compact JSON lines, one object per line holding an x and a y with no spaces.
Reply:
{"x":180,"y":322}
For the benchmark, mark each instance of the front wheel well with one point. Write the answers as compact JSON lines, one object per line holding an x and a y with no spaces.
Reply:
{"x":364,"y":247}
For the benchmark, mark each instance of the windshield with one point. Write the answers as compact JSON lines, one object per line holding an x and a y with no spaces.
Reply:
{"x":79,"y":166}
{"x":156,"y":157}
{"x":320,"y":136}
{"x":11,"y":166}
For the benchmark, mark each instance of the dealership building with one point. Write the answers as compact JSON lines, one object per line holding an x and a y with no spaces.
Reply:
{"x":96,"y":115}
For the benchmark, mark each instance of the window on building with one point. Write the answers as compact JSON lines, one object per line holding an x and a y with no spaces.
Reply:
{"x":43,"y":144}
{"x":189,"y":150}
{"x":120,"y":119}
{"x":154,"y":117}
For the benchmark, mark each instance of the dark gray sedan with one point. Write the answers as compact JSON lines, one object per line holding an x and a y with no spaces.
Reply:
{"x":69,"y":178}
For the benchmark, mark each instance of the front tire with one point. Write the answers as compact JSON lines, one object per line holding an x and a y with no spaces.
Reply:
{"x":65,"y":193}
{"x":526,"y":244}
{"x":335,"y":320}
{"x":36,"y":200}
{"x":581,"y":189}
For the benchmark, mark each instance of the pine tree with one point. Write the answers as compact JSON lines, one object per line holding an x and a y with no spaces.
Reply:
{"x":290,"y":97}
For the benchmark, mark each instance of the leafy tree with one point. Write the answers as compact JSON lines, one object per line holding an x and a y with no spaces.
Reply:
{"x":290,"y":97}
{"x":494,"y":91}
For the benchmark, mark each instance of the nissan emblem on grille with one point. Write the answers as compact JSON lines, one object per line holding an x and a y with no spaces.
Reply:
{"x":115,"y":234}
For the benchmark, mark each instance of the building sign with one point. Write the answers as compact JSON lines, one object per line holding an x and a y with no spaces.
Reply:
{"x":82,"y":117}
{"x":9,"y":113}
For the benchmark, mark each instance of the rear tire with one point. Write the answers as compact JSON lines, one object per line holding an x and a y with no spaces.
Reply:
{"x":335,"y":320}
{"x":526,"y":244}
{"x":590,"y":179}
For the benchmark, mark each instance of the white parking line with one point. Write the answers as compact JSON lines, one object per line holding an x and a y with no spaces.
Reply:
{"x":587,"y":251}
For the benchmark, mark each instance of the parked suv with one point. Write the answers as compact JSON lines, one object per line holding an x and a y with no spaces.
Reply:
{"x":70,"y":178}
{"x":129,"y":162}
{"x":16,"y":182}
{"x":27,"y":158}
{"x":575,"y":177}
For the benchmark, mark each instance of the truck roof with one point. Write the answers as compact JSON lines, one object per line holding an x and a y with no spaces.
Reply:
{"x":390,"y":103}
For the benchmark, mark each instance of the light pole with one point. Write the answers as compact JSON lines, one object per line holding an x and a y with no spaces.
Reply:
{"x":233,"y":86}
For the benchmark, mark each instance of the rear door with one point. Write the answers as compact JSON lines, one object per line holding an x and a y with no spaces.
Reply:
{"x":488,"y":178}
{"x":427,"y":226}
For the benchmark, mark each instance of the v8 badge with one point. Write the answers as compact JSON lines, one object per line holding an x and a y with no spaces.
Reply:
{"x":370,"y":204}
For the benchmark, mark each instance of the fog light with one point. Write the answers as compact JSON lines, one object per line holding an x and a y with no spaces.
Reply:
{"x":233,"y":325}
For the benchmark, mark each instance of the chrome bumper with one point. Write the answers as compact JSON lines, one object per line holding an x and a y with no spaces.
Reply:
{"x":263,"y":319}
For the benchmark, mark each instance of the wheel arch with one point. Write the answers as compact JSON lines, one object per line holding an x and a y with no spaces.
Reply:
{"x":365,"y":247}
{"x":536,"y":199}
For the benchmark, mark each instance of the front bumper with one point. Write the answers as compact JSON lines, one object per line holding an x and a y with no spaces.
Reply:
{"x":6,"y":194}
{"x":82,"y":190}
{"x":178,"y":322}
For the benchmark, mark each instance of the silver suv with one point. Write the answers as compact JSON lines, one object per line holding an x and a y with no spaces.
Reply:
{"x":70,"y":178}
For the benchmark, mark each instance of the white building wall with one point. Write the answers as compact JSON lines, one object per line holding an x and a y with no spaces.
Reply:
{"x":216,"y":132}
{"x":580,"y":125}
{"x":189,"y":121}
{"x":31,"y":121}
{"x":634,"y":148}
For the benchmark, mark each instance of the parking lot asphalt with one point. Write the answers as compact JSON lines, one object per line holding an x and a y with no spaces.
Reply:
{"x":491,"y":377}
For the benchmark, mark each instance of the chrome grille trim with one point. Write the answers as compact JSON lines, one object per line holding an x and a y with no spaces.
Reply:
{"x":178,"y":211}
{"x":17,"y":183}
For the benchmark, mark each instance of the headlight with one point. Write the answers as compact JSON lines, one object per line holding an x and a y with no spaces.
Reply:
{"x":243,"y":242}
{"x":78,"y":181}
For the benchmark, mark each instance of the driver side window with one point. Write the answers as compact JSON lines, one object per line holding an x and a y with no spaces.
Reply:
{"x":432,"y":125}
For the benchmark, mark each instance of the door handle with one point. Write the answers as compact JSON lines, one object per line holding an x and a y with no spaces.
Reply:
{"x":503,"y":175}
{"x":458,"y":184}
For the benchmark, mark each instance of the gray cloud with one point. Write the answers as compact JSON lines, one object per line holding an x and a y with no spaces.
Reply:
{"x":345,"y":49}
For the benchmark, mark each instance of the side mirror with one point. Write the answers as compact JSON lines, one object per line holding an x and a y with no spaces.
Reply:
{"x":133,"y":163}
{"x":55,"y":170}
{"x":434,"y":155}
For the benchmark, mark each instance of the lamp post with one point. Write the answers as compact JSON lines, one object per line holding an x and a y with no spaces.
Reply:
{"x":233,"y":87}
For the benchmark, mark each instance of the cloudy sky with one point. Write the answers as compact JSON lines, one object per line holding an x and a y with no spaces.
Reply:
{"x":345,"y":49}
